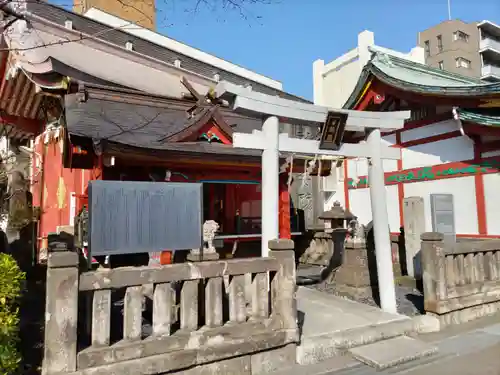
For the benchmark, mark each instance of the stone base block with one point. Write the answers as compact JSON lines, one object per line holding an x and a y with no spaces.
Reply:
{"x":356,"y":270}
{"x":468,"y":314}
{"x":233,"y":366}
{"x":392,"y":352}
{"x":426,"y":323}
{"x":273,"y":360}
{"x":255,"y":364}
{"x":355,"y":277}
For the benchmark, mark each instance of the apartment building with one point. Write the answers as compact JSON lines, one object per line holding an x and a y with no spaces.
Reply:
{"x":489,"y":50}
{"x":139,"y":12}
{"x":453,"y":46}
{"x":471,"y":49}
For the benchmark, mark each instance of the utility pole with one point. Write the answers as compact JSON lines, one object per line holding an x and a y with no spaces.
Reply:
{"x":449,"y":10}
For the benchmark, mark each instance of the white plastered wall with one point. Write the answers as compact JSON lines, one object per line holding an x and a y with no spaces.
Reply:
{"x":428,"y":155}
{"x":491,"y":195}
{"x":334,"y":81}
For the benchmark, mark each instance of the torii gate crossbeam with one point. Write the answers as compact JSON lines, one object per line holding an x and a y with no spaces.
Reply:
{"x":272,"y":108}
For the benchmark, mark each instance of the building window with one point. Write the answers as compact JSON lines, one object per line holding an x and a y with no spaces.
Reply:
{"x":427,"y":48}
{"x":440,"y":43}
{"x":460,"y":35}
{"x":441,"y":65}
{"x":463,"y":63}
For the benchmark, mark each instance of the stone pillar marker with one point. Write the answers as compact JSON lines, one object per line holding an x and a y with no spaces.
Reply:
{"x":414,"y":219}
{"x":61,"y":308}
{"x":286,"y":306}
{"x":433,"y":278}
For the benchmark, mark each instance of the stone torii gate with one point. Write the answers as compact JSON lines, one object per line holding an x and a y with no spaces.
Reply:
{"x":271,"y":142}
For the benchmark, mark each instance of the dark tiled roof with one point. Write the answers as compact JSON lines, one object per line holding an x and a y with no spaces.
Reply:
{"x":198,"y":149}
{"x":136,"y":119}
{"x":118,"y":37}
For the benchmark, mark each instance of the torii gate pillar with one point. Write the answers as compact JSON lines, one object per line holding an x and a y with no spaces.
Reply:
{"x":381,"y":235}
{"x":269,"y":141}
{"x":270,"y":183}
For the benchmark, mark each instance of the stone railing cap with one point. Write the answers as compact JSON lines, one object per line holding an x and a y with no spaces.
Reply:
{"x":63,"y":260}
{"x":56,"y":246}
{"x":316,"y":228}
{"x":281,"y":244}
{"x":432,"y":236}
{"x":322,"y":235}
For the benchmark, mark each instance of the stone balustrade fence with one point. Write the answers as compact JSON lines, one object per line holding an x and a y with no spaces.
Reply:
{"x":201,"y":315}
{"x":461,"y":281}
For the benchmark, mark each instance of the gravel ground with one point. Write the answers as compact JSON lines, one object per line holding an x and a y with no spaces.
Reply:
{"x":410,"y":301}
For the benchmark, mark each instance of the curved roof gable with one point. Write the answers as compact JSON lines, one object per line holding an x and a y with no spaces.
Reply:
{"x":418,"y":78}
{"x":93,"y":30}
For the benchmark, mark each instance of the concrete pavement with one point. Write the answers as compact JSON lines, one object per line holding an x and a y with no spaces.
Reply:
{"x":484,"y":362}
{"x":330,"y":325}
{"x":469,"y":349}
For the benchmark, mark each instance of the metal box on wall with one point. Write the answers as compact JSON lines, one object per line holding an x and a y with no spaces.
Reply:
{"x":142,"y":217}
{"x":443,"y":216}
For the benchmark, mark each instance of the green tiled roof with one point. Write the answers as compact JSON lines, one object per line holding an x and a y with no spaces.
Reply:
{"x":419,"y":74}
{"x":419,"y":78}
{"x":487,"y":117}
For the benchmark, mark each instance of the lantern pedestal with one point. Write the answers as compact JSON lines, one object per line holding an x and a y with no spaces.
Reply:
{"x":357,"y":276}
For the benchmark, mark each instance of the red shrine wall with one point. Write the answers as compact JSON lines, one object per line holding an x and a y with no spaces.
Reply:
{"x":53,"y":186}
{"x":436,"y":158}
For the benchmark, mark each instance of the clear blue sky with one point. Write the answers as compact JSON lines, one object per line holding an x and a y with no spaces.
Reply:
{"x":290,"y":34}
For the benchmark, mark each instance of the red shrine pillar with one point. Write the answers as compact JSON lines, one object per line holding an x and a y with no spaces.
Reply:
{"x":284,"y":207}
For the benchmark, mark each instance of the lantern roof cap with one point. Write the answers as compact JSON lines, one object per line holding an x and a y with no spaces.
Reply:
{"x":337,"y":212}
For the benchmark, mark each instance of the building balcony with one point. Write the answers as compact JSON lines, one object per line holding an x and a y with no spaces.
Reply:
{"x":489,"y":71}
{"x":489,"y":28}
{"x":490,"y":44}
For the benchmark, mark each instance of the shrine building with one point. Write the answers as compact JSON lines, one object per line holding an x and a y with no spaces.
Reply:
{"x":133,"y":106}
{"x":450,"y":148}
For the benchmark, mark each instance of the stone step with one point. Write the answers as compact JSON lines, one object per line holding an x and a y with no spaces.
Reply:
{"x":317,"y":348}
{"x":338,"y":363}
{"x":395,"y":351}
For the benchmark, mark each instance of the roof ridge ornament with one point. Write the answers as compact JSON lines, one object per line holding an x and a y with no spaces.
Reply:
{"x":385,"y":59}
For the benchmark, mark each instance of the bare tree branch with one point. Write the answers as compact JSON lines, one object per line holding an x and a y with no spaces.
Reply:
{"x":12,"y":14}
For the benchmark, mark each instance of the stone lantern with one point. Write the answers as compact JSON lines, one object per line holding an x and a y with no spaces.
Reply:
{"x":336,"y":220}
{"x":336,"y":217}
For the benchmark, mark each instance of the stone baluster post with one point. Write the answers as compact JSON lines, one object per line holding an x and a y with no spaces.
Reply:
{"x":61,"y":309}
{"x":433,"y":266}
{"x":285,"y":303}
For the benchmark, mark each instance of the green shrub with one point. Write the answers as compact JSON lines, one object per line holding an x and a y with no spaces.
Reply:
{"x":11,"y":283}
